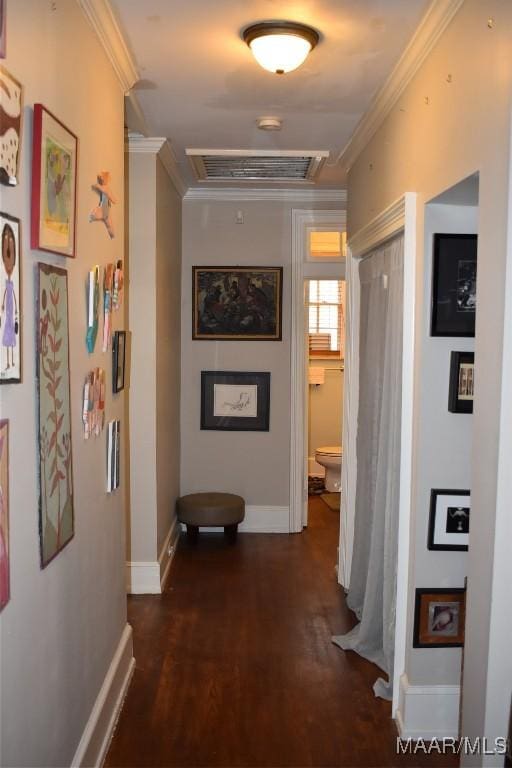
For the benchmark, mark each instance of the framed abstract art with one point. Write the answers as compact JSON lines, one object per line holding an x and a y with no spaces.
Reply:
{"x":54,"y":181}
{"x":454,"y":285}
{"x":439,"y":618}
{"x":11,"y":112}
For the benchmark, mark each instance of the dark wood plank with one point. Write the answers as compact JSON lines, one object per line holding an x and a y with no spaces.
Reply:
{"x":235,"y":665}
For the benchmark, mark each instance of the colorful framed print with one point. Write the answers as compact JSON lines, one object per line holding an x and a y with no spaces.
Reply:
{"x":54,"y":180}
{"x":454,"y":285}
{"x":237,"y":303}
{"x":11,"y":112}
{"x":439,"y":618}
{"x":5,"y":588}
{"x":462,"y":382}
{"x":448,"y":527}
{"x":10,"y":300}
{"x":3,"y":29}
{"x":118,"y":360}
{"x":56,"y":512}
{"x":235,"y":401}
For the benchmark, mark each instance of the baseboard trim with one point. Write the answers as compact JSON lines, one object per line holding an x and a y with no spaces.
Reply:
{"x":427,"y":711}
{"x":102,"y":721}
{"x":168,"y":551}
{"x":261,"y":520}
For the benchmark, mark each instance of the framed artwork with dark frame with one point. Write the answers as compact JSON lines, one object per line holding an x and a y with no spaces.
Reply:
{"x":439,"y":618}
{"x":237,"y":303}
{"x":235,"y":401}
{"x":54,"y":182}
{"x":462,"y":382}
{"x":448,"y":526}
{"x":454,"y":285}
{"x":118,"y":360}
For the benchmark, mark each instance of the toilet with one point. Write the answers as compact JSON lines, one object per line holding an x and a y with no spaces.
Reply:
{"x":329,"y":456}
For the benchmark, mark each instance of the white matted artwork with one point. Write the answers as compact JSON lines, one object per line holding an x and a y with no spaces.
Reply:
{"x":449,"y":519}
{"x":235,"y":400}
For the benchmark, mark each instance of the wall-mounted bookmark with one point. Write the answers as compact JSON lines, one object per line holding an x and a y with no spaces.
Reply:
{"x":113,"y":455}
{"x":108,"y":289}
{"x":93,"y":296}
{"x":93,"y":411}
{"x":117,"y":295}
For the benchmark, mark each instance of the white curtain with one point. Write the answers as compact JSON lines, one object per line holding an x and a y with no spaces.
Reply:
{"x":372,"y":593}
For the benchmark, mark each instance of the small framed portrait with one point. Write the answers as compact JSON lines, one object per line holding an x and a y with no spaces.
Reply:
{"x":439,"y":618}
{"x":235,"y":401}
{"x":454,"y":285}
{"x":118,"y":360}
{"x":10,"y":300}
{"x":448,"y":527}
{"x":237,"y":303}
{"x":462,"y":382}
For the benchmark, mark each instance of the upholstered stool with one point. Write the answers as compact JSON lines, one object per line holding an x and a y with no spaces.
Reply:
{"x":211,"y":509}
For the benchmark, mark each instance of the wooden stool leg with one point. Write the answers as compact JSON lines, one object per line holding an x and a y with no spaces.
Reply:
{"x":230,"y":531}
{"x":192,"y":533}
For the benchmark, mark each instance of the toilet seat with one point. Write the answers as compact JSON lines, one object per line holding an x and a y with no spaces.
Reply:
{"x":329,"y":450}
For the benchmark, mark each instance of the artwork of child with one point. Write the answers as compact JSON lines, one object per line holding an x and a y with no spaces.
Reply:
{"x":9,"y":308}
{"x":102,"y":212}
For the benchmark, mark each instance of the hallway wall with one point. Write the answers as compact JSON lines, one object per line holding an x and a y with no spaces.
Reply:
{"x":255,"y":465}
{"x":63,"y":624}
{"x":427,"y":145}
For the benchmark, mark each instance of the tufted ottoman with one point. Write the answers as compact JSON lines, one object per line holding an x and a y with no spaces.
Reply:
{"x":211,"y":509}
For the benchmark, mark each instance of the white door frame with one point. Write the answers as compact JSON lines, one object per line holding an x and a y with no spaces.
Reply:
{"x":302,"y":221}
{"x":400,"y":216}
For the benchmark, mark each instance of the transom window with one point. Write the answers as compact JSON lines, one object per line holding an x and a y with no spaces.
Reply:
{"x":326,"y":317}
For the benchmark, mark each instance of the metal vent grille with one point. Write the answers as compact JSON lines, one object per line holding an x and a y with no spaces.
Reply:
{"x":254,"y":165}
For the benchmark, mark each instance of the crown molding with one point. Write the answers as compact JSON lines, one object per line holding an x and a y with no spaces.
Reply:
{"x":378,"y":230}
{"x":100,"y":15}
{"x":159,"y":146}
{"x":436,"y":19}
{"x":241,"y":194}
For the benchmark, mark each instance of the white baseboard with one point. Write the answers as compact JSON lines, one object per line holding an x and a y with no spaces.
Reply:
{"x":147,"y":577}
{"x":102,"y":721}
{"x":261,"y":520}
{"x":314,"y":468}
{"x":427,"y":711}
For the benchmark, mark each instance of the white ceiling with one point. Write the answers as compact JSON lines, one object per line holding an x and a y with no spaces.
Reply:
{"x":200,"y":86}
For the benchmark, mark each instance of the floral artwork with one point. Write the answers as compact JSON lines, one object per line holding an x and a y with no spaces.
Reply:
{"x":56,"y":515}
{"x":102,"y":212}
{"x":54,"y":162}
{"x":10,"y":315}
{"x":11,"y":94}
{"x":4,"y":514}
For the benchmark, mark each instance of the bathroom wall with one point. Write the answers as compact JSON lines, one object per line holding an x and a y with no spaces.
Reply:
{"x":325,"y":410}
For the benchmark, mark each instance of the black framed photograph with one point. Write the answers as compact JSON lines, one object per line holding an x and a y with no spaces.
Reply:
{"x":237,"y":303}
{"x":454,"y":285}
{"x":235,"y":401}
{"x":462,"y":382}
{"x":448,"y":527}
{"x":118,"y":360}
{"x":439,"y":618}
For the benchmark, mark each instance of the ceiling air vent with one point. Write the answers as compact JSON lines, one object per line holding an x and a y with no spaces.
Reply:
{"x":238,"y":165}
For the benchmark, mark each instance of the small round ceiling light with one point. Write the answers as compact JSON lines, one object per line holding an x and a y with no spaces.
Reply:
{"x":269,"y":123}
{"x":280,"y":46}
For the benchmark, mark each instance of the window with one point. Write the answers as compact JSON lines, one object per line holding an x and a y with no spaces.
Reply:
{"x":327,"y":246}
{"x":326,"y":301}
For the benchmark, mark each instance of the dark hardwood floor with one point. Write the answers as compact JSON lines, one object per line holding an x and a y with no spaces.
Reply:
{"x":235,"y":665}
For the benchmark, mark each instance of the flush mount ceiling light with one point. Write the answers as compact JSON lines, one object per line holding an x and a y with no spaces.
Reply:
{"x":280,"y":46}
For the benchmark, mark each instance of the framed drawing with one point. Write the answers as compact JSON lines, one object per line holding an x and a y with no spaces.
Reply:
{"x":56,"y":513}
{"x":235,"y":401}
{"x":11,"y":111}
{"x":237,"y":303}
{"x":454,"y":285}
{"x":118,"y":360}
{"x":439,"y":618}
{"x":462,"y":382}
{"x":10,"y":300}
{"x":5,"y":590}
{"x":3,"y":29}
{"x":54,"y":173}
{"x":448,"y":527}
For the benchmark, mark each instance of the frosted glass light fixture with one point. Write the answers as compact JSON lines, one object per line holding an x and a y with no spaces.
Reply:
{"x":280,"y":46}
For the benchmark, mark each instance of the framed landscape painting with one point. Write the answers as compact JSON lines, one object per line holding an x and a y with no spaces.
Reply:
{"x":56,"y":513}
{"x":235,"y":401}
{"x":54,"y":176}
{"x":5,"y":590}
{"x":10,"y":300}
{"x":237,"y":303}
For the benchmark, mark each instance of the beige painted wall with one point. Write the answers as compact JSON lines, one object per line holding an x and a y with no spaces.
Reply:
{"x":62,"y":626}
{"x":155,"y":311}
{"x":326,"y":407}
{"x":426,"y":148}
{"x":256,"y":465}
